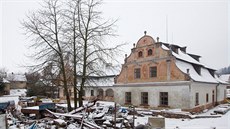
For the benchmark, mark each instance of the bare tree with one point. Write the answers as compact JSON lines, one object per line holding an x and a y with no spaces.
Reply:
{"x":72,"y":36}
{"x":71,"y":15}
{"x":92,"y":31}
{"x":3,"y":73}
{"x":45,"y":28}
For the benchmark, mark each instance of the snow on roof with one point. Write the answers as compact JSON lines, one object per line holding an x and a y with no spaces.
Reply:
{"x":164,"y":47}
{"x":205,"y":75}
{"x":221,"y":80}
{"x":185,"y":57}
{"x":225,"y":77}
{"x":17,"y":77}
{"x":5,"y":81}
{"x":114,"y":70}
{"x":100,"y":81}
{"x":18,"y":92}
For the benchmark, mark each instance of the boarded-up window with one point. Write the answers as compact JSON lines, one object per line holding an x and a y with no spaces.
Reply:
{"x":197,"y":99}
{"x":164,"y":98}
{"x":144,"y":98}
{"x":153,"y":71}
{"x":137,"y":73}
{"x":128,"y":98}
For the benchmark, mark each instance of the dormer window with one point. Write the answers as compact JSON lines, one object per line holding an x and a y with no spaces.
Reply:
{"x":197,"y":68}
{"x":140,"y":54}
{"x":150,"y":52}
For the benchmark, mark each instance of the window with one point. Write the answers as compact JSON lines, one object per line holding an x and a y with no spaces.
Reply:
{"x":197,"y":68}
{"x":70,"y":92}
{"x":207,"y":98}
{"x":137,"y":73}
{"x":92,"y":92}
{"x":128,"y":98}
{"x":83,"y":93}
{"x":164,"y":98}
{"x":153,"y":71}
{"x":144,"y":98}
{"x":197,"y":99}
{"x":140,"y":54}
{"x":150,"y":52}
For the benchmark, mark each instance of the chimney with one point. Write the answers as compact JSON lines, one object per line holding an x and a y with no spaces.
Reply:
{"x":125,"y":58}
{"x":187,"y":71}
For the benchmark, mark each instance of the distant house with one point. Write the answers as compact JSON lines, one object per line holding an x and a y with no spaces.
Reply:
{"x":17,"y":81}
{"x":6,"y":84}
{"x":96,"y":86}
{"x":158,"y":74}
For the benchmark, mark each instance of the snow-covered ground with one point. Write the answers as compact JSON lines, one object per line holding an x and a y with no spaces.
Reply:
{"x":14,"y":95}
{"x":222,"y":122}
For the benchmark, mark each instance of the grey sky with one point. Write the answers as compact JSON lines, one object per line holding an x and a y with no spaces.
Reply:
{"x":201,"y":25}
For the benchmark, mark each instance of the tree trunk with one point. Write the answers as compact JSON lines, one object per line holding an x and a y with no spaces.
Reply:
{"x":65,"y":84}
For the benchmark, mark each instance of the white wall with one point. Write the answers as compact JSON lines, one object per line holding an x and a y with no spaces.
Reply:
{"x":202,"y":89}
{"x":178,"y":96}
{"x":221,"y":92}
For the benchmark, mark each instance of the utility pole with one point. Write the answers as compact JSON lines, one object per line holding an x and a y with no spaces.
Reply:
{"x":115,"y":114}
{"x":133,"y":116}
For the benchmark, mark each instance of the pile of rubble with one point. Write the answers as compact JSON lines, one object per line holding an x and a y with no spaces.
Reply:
{"x":93,"y":115}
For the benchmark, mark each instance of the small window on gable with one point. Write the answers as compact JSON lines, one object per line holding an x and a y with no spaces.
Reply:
{"x":140,"y":54}
{"x":150,"y":52}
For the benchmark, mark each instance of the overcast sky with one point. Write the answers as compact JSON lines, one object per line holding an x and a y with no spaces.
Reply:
{"x":201,"y":25}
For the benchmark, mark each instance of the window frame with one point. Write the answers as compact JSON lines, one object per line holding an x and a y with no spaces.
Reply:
{"x":207,"y":98}
{"x":144,"y":98}
{"x":196,"y":99}
{"x":164,"y":99}
{"x":137,"y":73}
{"x":83,"y":93}
{"x":92,"y":92}
{"x":128,"y":97}
{"x":140,"y":54}
{"x":153,"y":71}
{"x":150,"y":52}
